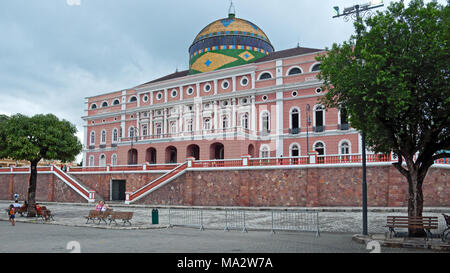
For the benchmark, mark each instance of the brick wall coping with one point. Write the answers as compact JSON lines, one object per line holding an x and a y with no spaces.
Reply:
{"x":312,"y":209}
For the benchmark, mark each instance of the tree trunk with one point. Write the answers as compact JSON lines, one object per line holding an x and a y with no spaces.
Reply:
{"x":415,"y":201}
{"x":31,"y":211}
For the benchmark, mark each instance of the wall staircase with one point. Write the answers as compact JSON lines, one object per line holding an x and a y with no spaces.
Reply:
{"x":155,"y":184}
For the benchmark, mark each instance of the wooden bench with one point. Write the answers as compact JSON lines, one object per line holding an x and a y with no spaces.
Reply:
{"x":44,"y":214}
{"x":93,"y":214}
{"x":416,"y":222}
{"x":21,"y":210}
{"x":98,"y":215}
{"x":447,"y":230}
{"x":125,"y":216}
{"x":104,"y":215}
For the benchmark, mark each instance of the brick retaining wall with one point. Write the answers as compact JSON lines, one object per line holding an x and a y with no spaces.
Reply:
{"x":304,"y":187}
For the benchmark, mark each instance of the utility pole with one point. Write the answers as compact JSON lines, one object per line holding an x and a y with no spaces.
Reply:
{"x":357,"y":12}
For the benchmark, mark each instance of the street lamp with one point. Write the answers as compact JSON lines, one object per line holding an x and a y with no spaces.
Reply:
{"x":357,"y":12}
{"x":308,"y":122}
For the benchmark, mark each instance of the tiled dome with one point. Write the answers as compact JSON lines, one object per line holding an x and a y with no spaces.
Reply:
{"x":228,"y":42}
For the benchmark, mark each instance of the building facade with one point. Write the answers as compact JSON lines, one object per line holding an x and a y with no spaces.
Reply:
{"x":239,"y":97}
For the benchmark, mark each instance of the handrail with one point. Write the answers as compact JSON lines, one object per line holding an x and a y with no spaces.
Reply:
{"x":157,"y":181}
{"x":70,"y":180}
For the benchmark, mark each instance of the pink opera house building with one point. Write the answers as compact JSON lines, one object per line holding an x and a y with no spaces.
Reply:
{"x":238,"y":98}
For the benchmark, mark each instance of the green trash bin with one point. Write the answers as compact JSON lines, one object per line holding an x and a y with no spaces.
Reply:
{"x":155,"y":219}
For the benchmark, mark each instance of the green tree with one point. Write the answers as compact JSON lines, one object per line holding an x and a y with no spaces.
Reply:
{"x":35,"y":138}
{"x":393,"y":79}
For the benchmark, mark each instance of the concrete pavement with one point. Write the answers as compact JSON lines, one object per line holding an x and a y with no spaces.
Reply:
{"x":337,"y":226}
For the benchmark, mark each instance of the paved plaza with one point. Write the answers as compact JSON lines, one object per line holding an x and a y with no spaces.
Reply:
{"x":337,"y":226}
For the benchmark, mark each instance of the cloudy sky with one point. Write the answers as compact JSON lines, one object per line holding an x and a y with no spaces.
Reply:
{"x":54,"y":53}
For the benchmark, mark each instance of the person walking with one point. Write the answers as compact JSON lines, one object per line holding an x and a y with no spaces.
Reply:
{"x":12,"y":215}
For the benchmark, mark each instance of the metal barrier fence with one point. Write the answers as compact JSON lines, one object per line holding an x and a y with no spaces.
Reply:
{"x":296,"y":221}
{"x":186,"y":217}
{"x":237,"y":219}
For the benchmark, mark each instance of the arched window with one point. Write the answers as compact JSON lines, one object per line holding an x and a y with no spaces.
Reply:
{"x":105,"y":104}
{"x":315,"y":67}
{"x":264,"y":151}
{"x":91,"y":161}
{"x":189,"y":125}
{"x":294,"y":71}
{"x":144,"y":129}
{"x":319,"y":118}
{"x":294,"y":120}
{"x":244,"y":121}
{"x":294,"y":150}
{"x":344,"y":148}
{"x":92,"y":142}
{"x":94,"y":106}
{"x":319,"y":147}
{"x":114,"y":160}
{"x":103,"y":137}
{"x":265,"y":76}
{"x":265,"y":122}
{"x":133,"y":99}
{"x":102,"y":160}
{"x":131,"y":132}
{"x":158,"y":129}
{"x":115,"y":135}
{"x":173,"y":127}
{"x":207,"y":124}
{"x":225,"y":121}
{"x":116,"y":102}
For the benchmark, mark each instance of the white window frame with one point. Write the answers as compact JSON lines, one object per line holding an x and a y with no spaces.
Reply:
{"x":291,"y":148}
{"x":102,"y":162}
{"x":290,"y":117}
{"x":264,"y":72}
{"x":92,"y":138}
{"x":113,"y":159}
{"x":314,"y":114}
{"x":291,"y":68}
{"x":91,"y":162}
{"x":342,"y":142}
{"x":103,"y":137}
{"x":264,"y":149}
{"x":261,"y":115}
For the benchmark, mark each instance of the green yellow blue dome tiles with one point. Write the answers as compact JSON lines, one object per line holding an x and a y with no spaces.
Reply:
{"x":229,"y":26}
{"x":215,"y":60}
{"x":211,"y":61}
{"x":226,"y":43}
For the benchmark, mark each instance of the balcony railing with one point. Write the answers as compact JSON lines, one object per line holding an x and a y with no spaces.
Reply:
{"x":244,"y":161}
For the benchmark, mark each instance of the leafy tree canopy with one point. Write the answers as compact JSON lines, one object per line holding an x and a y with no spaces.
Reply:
{"x":393,"y":79}
{"x":39,"y":137}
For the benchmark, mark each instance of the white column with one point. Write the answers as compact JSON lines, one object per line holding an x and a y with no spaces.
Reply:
{"x":253,"y":80}
{"x":253,"y":115}
{"x":197,"y":116}
{"x":215,"y":87}
{"x":123,"y":116}
{"x":85,"y":130}
{"x":180,"y":119}
{"x":233,"y":113}
{"x":150,"y":126}
{"x":279,"y":72}
{"x":164,"y":125}
{"x":215,"y":114}
{"x":279,"y":124}
{"x":234,"y":83}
